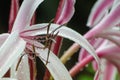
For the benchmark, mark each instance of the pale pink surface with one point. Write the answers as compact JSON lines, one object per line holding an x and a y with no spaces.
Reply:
{"x":98,"y":12}
{"x":13,"y":13}
{"x":65,"y":11}
{"x":108,"y":21}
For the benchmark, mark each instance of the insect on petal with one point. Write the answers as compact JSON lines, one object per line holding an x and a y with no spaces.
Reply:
{"x":64,"y":32}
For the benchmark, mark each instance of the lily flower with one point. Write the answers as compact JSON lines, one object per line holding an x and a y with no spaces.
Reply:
{"x":104,"y":37}
{"x":24,"y":39}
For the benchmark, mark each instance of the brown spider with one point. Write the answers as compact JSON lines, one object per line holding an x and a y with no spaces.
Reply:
{"x":46,"y":40}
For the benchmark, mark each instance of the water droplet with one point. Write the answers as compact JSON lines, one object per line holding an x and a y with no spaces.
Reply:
{"x":86,"y":65}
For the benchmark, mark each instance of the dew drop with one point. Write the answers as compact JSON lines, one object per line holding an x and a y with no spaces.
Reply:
{"x":86,"y":65}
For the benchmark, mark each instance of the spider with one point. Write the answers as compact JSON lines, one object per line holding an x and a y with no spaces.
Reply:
{"x":47,"y":40}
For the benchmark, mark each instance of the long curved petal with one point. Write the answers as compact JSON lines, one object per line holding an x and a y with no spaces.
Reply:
{"x":53,"y":66}
{"x":8,"y":79}
{"x":3,"y":37}
{"x":95,"y":43}
{"x":111,"y":53}
{"x":8,"y":42}
{"x":25,"y":14}
{"x":65,"y":11}
{"x":114,"y":39}
{"x":109,"y":72}
{"x":110,"y":20}
{"x":64,"y":32}
{"x":9,"y":52}
{"x":23,"y":72}
{"x":60,"y":73}
{"x":13,"y":13}
{"x":98,"y":11}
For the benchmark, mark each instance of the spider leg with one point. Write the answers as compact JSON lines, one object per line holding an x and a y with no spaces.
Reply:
{"x":19,"y":62}
{"x":49,"y":47}
{"x":49,"y":26}
{"x":34,"y":58}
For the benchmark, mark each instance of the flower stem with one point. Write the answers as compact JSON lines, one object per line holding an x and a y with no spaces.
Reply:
{"x":79,"y":66}
{"x":67,"y":55}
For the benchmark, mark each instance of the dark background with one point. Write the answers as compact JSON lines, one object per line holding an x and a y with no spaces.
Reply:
{"x":46,"y":12}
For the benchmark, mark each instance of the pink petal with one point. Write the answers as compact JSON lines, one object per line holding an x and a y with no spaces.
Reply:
{"x":13,"y":13}
{"x":111,"y":53}
{"x":9,"y":52}
{"x":60,"y":73}
{"x":3,"y":37}
{"x":95,"y":43}
{"x":98,"y":11}
{"x":8,"y":79}
{"x":97,"y":76}
{"x":9,"y":41}
{"x":110,"y":20}
{"x":83,"y":54}
{"x":23,"y":72}
{"x":65,"y":11}
{"x":64,"y":14}
{"x":114,"y":39}
{"x":113,"y":32}
{"x":33,"y":19}
{"x":94,"y":65}
{"x":25,"y":14}
{"x":109,"y":72}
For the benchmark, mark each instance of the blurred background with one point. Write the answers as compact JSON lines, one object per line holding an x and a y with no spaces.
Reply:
{"x":45,"y":13}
